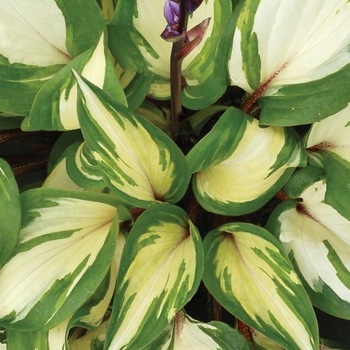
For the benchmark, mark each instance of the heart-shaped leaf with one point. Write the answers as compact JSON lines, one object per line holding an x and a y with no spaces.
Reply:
{"x":37,"y":40}
{"x":287,"y":52}
{"x":161,"y":268}
{"x":247,"y":271}
{"x":239,"y":166}
{"x":138,"y":161}
{"x":57,"y":99}
{"x":55,"y":268}
{"x":328,"y":145}
{"x":314,"y":235}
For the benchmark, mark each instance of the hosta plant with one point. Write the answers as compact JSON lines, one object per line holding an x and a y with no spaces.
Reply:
{"x":200,"y":141}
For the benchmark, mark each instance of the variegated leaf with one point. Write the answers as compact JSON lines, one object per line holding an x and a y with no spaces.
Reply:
{"x":91,"y":340}
{"x":261,"y":342}
{"x":328,"y":145}
{"x":137,"y":46}
{"x":239,"y":166}
{"x":315,"y":236}
{"x":91,"y":314}
{"x":158,"y":117}
{"x":287,"y":52}
{"x":108,"y":7}
{"x":57,"y":99}
{"x":160,"y":271}
{"x":56,"y":267}
{"x":37,"y":40}
{"x":60,"y":146}
{"x":57,"y":166}
{"x":135,"y":85}
{"x":53,"y":339}
{"x":59,"y":178}
{"x":329,"y":135}
{"x":139,"y":162}
{"x":82,"y":167}
{"x":247,"y":271}
{"x":200,"y":118}
{"x":187,"y":333}
{"x":10,"y":211}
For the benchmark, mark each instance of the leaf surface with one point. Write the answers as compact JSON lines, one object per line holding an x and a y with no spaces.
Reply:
{"x":248,"y":273}
{"x":328,"y":145}
{"x":187,"y":333}
{"x":56,"y":267}
{"x":82,"y":167}
{"x":53,"y":339}
{"x":137,"y":46}
{"x":281,"y":44}
{"x":57,"y":99}
{"x":314,"y":235}
{"x":161,"y":268}
{"x":10,"y":211}
{"x":37,"y":40}
{"x":239,"y":166}
{"x":139,"y":162}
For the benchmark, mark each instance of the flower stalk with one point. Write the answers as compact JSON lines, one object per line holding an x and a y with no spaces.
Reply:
{"x":176,"y":71}
{"x":176,"y":13}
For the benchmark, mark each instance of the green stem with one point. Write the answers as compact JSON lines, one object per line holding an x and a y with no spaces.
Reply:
{"x":176,"y":73}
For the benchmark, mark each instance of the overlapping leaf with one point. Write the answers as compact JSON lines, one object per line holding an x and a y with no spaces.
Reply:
{"x":57,"y":99}
{"x":91,"y":340}
{"x":247,"y":271}
{"x":136,"y":43}
{"x":10,"y":211}
{"x":160,"y":270}
{"x":57,"y":165}
{"x":239,"y":166}
{"x":53,"y":339}
{"x":9,"y":121}
{"x":59,"y":178}
{"x":135,"y":85}
{"x":37,"y":40}
{"x":315,"y":236}
{"x":200,"y":118}
{"x":327,"y":344}
{"x":83,"y":168}
{"x":262,"y":342}
{"x":91,"y":314}
{"x":139,"y":162}
{"x":158,"y":117}
{"x":186,"y":333}
{"x":328,"y":146}
{"x":287,"y":52}
{"x":56,"y":267}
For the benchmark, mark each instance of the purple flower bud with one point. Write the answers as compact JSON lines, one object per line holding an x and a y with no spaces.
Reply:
{"x":171,"y":33}
{"x":171,"y":12}
{"x":192,"y":5}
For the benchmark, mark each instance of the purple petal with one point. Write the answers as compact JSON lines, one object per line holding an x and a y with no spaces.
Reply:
{"x":171,"y":33}
{"x":171,"y":12}
{"x":192,"y":5}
